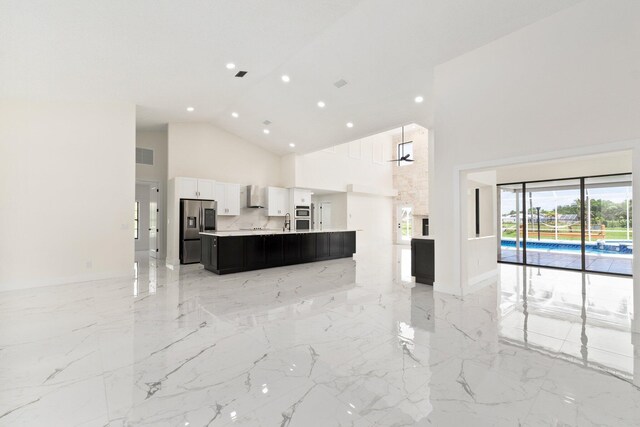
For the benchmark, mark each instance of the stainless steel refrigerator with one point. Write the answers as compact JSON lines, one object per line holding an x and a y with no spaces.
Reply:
{"x":195,"y":216}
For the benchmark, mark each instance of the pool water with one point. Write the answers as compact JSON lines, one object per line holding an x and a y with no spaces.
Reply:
{"x":611,"y":247}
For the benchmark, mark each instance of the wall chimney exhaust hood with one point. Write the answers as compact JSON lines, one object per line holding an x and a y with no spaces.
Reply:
{"x":255,"y":196}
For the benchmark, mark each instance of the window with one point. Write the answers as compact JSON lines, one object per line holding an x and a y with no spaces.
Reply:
{"x":405,"y":148}
{"x":136,"y":220}
{"x":581,"y":223}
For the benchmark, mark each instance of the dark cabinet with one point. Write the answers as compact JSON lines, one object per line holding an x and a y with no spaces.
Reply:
{"x":348,"y":243}
{"x":223,"y":254}
{"x":273,"y":249}
{"x":322,"y":245}
{"x":308,"y":247}
{"x":254,"y":252}
{"x":423,"y":260}
{"x":230,"y":254}
{"x":291,"y":248}
{"x":335,"y":244}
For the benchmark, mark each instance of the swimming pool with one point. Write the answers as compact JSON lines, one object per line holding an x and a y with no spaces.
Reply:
{"x":610,"y":247}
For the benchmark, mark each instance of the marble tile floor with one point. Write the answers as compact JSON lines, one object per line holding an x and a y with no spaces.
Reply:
{"x":336,"y":343}
{"x":617,"y":264}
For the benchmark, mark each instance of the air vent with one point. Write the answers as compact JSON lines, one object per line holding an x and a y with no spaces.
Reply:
{"x":340,"y":83}
{"x":267,"y":122}
{"x":241,"y":73}
{"x":144,"y":156}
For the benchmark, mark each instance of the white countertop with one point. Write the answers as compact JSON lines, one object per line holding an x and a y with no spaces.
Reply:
{"x":269,"y":232}
{"x":423,"y":237}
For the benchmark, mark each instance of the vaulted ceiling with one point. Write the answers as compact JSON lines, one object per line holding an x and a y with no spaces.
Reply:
{"x":167,"y":55}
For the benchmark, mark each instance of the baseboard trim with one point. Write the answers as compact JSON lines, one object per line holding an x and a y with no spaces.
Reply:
{"x":481,"y":280}
{"x":57,"y":281}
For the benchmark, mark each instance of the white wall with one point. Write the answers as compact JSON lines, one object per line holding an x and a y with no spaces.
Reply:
{"x":338,"y":208}
{"x":370,"y":214}
{"x":143,"y":197}
{"x":480,"y":252}
{"x":67,"y":174}
{"x":156,"y":141}
{"x":201,"y":150}
{"x":601,"y":164}
{"x":360,"y":162}
{"x":156,"y":173}
{"x":564,"y":86}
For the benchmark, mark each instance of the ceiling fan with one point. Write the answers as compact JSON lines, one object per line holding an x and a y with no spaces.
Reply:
{"x":405,"y":157}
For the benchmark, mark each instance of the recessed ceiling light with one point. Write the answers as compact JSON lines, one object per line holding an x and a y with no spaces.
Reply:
{"x":190,"y":109}
{"x":234,"y":115}
{"x":419,"y":99}
{"x":292,"y":145}
{"x":231,"y":66}
{"x":321,"y":104}
{"x":349,"y":125}
{"x":266,"y":131}
{"x":285,"y":78}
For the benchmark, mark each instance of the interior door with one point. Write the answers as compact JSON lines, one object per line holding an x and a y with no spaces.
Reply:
{"x":404,"y":217}
{"x":325,"y":215}
{"x":153,"y":222}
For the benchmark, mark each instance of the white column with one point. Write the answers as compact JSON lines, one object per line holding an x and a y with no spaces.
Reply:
{"x":635,"y":325}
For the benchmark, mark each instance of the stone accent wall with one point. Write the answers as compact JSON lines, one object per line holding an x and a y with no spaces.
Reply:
{"x":412,"y":181}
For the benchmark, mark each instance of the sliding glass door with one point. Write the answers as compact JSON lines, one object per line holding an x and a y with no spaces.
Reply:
{"x":576,"y":224}
{"x":554,"y":230}
{"x":511,"y":224}
{"x":609,"y":234}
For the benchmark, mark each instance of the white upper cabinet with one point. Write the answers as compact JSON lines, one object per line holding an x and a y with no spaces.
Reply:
{"x":194,"y":188}
{"x":277,"y":201}
{"x":187,"y":188}
{"x":228,"y":197}
{"x":206,"y":189}
{"x":301,"y":197}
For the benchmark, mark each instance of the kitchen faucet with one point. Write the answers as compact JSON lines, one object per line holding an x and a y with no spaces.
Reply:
{"x":287,"y":222}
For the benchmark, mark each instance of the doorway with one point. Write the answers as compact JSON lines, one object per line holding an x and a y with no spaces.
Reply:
{"x":148,"y":220}
{"x":404,"y":232}
{"x":154,"y":226}
{"x":324,"y":215}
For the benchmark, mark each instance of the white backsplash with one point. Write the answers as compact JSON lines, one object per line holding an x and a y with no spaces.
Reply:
{"x":249,"y":218}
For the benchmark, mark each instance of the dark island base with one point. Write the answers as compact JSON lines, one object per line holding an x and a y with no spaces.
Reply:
{"x":423,"y":260}
{"x":232,"y":254}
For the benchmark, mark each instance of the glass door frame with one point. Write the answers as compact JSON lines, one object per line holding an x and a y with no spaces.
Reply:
{"x":525,"y":230}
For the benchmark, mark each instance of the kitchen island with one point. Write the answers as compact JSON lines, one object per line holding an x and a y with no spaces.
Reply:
{"x":226,"y":252}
